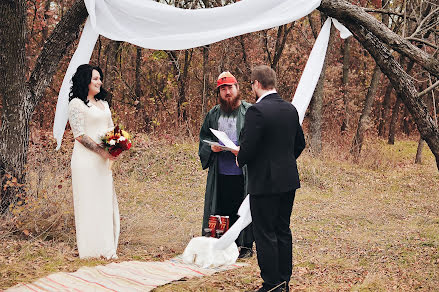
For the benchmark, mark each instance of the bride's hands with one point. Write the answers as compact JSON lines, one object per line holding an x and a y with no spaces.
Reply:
{"x":106,"y":155}
{"x":93,"y":146}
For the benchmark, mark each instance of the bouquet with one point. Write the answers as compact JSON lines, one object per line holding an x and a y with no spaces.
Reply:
{"x":116,"y":140}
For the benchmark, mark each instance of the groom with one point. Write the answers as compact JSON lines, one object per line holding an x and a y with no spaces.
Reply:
{"x":270,"y":142}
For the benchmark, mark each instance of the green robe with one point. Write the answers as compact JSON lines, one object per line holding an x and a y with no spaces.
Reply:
{"x":209,"y":159}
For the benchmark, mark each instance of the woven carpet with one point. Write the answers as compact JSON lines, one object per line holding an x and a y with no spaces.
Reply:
{"x":124,"y":276}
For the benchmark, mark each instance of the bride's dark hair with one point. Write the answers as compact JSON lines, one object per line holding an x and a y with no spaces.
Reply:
{"x":81,"y":79}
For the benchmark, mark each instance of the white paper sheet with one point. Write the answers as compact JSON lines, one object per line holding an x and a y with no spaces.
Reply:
{"x":224,"y":138}
{"x":218,"y":144}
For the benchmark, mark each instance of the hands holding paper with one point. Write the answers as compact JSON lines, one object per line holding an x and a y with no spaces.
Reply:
{"x":216,"y":148}
{"x":230,"y":146}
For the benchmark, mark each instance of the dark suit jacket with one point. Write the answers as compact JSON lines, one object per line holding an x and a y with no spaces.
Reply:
{"x":270,"y":142}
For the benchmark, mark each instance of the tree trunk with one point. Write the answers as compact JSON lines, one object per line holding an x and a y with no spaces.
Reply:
{"x":316,"y":105}
{"x":281,"y":37}
{"x":181,"y":75}
{"x":314,"y":29}
{"x":45,"y":30}
{"x":384,"y":111}
{"x":282,"y":34}
{"x":15,"y":109}
{"x":418,"y":159}
{"x":99,"y":44}
{"x":247,"y":70}
{"x":433,"y":103}
{"x":112,"y":52}
{"x":395,"y":110}
{"x":181,"y":104}
{"x":138,"y":87}
{"x":63,"y":36}
{"x":19,"y":98}
{"x":205,"y":81}
{"x":363,"y":123}
{"x":393,"y":120}
{"x":140,"y":107}
{"x":344,"y":85}
{"x":405,"y":122}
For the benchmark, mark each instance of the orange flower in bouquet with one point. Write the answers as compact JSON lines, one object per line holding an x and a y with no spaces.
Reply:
{"x":116,"y":140}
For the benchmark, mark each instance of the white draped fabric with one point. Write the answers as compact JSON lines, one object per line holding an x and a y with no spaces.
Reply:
{"x":313,"y":68}
{"x":302,"y":97}
{"x":159,"y":26}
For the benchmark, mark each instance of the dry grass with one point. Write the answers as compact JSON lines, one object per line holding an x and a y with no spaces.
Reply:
{"x":372,"y":226}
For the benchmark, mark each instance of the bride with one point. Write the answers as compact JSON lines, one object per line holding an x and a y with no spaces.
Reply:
{"x":95,"y":203}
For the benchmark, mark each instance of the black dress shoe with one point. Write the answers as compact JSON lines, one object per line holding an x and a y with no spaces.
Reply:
{"x":279,"y":288}
{"x":263,"y":289}
{"x":245,"y":253}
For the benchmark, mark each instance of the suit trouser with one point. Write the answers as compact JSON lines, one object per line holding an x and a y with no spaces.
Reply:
{"x":271,"y":229}
{"x":229,"y":198}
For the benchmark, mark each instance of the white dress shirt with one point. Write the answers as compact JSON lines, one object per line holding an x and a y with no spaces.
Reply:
{"x":265,"y":94}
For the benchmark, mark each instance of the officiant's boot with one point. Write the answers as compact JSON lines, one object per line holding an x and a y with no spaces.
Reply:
{"x":282,"y":287}
{"x":245,"y":252}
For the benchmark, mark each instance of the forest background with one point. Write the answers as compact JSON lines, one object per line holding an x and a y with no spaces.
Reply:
{"x":167,"y":92}
{"x":162,"y":97}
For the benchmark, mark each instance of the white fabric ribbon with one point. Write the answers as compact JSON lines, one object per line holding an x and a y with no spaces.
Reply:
{"x":153,"y":25}
{"x":159,"y":26}
{"x":313,"y":68}
{"x":302,"y":97}
{"x":81,"y":56}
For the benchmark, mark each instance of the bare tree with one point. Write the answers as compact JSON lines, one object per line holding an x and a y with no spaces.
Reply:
{"x":393,"y":121}
{"x":363,"y":123}
{"x":181,"y":70}
{"x":316,"y":105}
{"x":204,"y":81}
{"x":384,"y":109}
{"x":377,"y":39}
{"x":113,"y":51}
{"x":344,"y":85}
{"x":281,"y":37}
{"x":21,"y":96}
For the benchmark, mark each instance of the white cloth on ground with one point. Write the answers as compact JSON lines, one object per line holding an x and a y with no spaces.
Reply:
{"x":201,"y":251}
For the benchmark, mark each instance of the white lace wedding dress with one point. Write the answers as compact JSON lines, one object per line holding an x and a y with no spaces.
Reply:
{"x":96,"y":210}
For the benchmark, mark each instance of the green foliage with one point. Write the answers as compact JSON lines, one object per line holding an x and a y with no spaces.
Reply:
{"x":159,"y":55}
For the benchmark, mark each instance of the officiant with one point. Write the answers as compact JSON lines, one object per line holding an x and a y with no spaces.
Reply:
{"x":226,"y":185}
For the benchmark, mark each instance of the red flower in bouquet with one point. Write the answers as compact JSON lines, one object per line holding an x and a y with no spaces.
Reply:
{"x":116,"y":141}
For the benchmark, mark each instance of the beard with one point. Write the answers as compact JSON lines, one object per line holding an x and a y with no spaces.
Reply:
{"x":228,"y":105}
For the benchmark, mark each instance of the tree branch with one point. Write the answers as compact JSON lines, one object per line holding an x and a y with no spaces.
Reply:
{"x":348,"y":13}
{"x":388,"y":12}
{"x":421,"y":94}
{"x":402,"y":83}
{"x":423,"y":41}
{"x":54,"y":49}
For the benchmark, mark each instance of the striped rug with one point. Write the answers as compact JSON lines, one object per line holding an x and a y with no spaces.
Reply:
{"x":124,"y":276}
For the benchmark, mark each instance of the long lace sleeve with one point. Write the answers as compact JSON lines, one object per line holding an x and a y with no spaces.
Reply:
{"x":110,"y":119}
{"x":76,"y":117}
